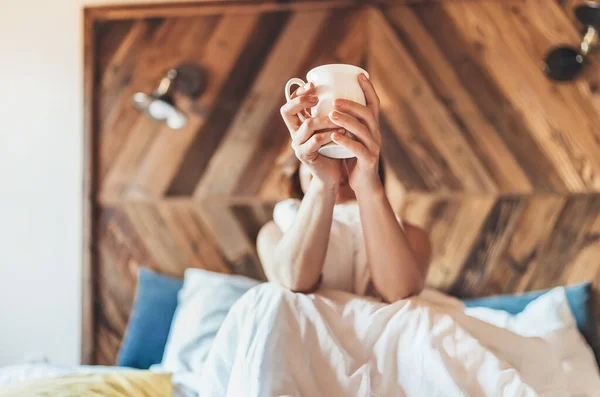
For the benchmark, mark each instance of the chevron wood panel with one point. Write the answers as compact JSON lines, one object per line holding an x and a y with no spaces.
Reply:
{"x":501,"y":166}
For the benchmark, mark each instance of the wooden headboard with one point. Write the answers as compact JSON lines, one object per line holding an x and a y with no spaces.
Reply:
{"x":499,"y":164}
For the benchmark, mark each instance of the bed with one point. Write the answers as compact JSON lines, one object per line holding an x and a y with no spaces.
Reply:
{"x":508,"y":209}
{"x":161,"y":199}
{"x":231,"y":335}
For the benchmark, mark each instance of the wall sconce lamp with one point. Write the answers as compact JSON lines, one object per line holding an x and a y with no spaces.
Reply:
{"x":188,"y":79}
{"x":564,"y":63}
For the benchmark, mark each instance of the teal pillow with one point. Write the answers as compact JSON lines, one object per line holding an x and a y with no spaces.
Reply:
{"x":150,"y":321}
{"x":581,"y":301}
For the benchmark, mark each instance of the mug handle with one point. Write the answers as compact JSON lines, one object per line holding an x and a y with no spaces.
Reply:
{"x":288,"y":95}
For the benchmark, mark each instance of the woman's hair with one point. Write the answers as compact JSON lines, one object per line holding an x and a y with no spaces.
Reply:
{"x":293,"y":188}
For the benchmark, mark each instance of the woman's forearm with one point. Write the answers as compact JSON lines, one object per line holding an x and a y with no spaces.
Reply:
{"x":395,"y":270}
{"x":301,"y":252}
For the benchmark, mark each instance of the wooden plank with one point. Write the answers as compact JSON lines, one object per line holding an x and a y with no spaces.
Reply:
{"x":121,"y":238}
{"x":109,"y":37}
{"x":240,"y":142}
{"x":495,"y":156}
{"x":406,"y":95}
{"x":341,"y":39}
{"x":236,"y":88}
{"x":568,"y":6}
{"x":488,"y":248}
{"x":555,"y":113}
{"x":224,"y":226}
{"x":505,"y":117}
{"x":132,"y":140}
{"x":167,"y":151}
{"x":454,"y":224}
{"x":118,"y":116}
{"x":239,"y":252}
{"x":252,"y":218}
{"x":260,"y":166}
{"x":404,"y":126}
{"x":395,"y":152}
{"x":122,"y":120}
{"x":352,"y":48}
{"x":586,"y":264}
{"x":573,"y":232}
{"x":520,"y":259}
{"x":192,"y":236}
{"x":583,"y":94}
{"x":453,"y":234}
{"x":120,"y":251}
{"x":108,"y":346}
{"x":118,"y":58}
{"x":208,"y":7}
{"x":275,"y":184}
{"x":160,"y":243}
{"x":131,"y":154}
{"x":88,"y":235}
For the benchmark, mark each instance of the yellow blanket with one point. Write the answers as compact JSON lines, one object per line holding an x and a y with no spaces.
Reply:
{"x":111,"y":384}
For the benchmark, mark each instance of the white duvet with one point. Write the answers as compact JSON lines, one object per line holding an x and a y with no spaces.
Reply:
{"x":277,"y":343}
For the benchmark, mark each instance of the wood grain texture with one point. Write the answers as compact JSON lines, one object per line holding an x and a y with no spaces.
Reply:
{"x":177,"y":8}
{"x":88,"y":325}
{"x":501,"y":166}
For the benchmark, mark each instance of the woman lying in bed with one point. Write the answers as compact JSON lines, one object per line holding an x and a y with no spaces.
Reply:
{"x":344,"y":234}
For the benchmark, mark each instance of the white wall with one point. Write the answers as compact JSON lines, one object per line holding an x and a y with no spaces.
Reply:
{"x":40,"y":180}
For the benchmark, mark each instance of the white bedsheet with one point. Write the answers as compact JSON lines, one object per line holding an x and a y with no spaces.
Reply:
{"x":276,"y":343}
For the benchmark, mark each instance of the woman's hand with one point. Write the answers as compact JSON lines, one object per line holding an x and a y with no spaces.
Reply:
{"x":363,"y":122}
{"x":308,"y":136}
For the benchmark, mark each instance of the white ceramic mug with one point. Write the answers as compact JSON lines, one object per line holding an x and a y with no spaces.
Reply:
{"x":331,"y":82}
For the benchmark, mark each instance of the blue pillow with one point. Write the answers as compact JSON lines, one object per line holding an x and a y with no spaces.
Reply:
{"x":581,"y":301}
{"x":150,"y":321}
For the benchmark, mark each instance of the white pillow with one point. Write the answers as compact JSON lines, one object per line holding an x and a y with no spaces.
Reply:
{"x":550,"y":318}
{"x":203,"y":303}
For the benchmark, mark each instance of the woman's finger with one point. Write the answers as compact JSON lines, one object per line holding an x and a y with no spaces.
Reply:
{"x":353,"y":125}
{"x":359,"y":111}
{"x":356,"y":148}
{"x":370,"y":93}
{"x":294,"y":106}
{"x":294,"y":122}
{"x":308,"y":149}
{"x":306,"y":89}
{"x":310,"y":126}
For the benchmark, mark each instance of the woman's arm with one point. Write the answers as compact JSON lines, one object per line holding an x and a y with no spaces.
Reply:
{"x":398,"y":259}
{"x":295,"y":259}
